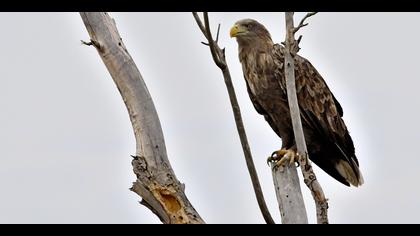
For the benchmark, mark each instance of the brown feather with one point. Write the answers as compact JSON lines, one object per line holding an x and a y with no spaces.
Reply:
{"x":327,"y":137}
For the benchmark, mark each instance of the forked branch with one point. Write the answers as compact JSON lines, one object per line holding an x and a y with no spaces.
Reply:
{"x":302,"y":22}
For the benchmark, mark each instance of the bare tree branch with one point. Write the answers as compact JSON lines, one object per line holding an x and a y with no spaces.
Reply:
{"x":302,"y":22}
{"x":217,"y":35}
{"x":308,"y":174}
{"x":86,"y":43}
{"x":200,"y":25}
{"x":214,"y":48}
{"x":219,"y":58}
{"x":156,"y":181}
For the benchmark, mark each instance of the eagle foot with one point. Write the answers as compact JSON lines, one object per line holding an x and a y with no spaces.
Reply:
{"x":283,"y":157}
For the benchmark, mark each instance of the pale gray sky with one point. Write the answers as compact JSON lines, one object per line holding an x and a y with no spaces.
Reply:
{"x":66,"y":137}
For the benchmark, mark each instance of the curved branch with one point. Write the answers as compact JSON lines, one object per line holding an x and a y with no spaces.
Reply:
{"x":215,"y":50}
{"x":156,"y":181}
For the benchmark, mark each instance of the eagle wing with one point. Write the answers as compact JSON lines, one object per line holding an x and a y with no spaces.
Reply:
{"x":261,"y":110}
{"x":319,"y":109}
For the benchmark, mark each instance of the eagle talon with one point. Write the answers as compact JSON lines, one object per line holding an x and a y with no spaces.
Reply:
{"x":297,"y":158}
{"x":274,"y":157}
{"x":274,"y":154}
{"x":271,"y":158}
{"x":283,"y":157}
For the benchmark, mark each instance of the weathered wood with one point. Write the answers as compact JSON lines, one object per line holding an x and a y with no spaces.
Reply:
{"x":310,"y":180}
{"x":156,"y":181}
{"x":286,"y":179}
{"x":219,"y":59}
{"x":289,"y":195}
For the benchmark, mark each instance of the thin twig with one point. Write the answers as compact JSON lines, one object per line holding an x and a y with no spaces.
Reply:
{"x":217,"y":35}
{"x":215,"y":49}
{"x":86,"y":43}
{"x":302,"y":22}
{"x":92,"y":42}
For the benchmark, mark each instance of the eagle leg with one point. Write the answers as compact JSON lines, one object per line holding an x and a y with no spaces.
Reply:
{"x":283,"y":156}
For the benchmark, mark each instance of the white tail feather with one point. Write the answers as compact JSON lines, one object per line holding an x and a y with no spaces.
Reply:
{"x":345,"y":170}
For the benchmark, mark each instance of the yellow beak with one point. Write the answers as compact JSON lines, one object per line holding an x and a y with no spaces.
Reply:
{"x":235,"y":30}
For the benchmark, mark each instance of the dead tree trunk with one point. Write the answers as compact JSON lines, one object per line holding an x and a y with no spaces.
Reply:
{"x":289,"y":195}
{"x":156,"y":182}
{"x":292,"y":47}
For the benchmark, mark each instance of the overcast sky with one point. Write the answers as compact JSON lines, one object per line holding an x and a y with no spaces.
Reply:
{"x":66,"y":138}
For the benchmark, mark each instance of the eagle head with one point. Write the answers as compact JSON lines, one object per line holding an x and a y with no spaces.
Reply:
{"x":249,"y":31}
